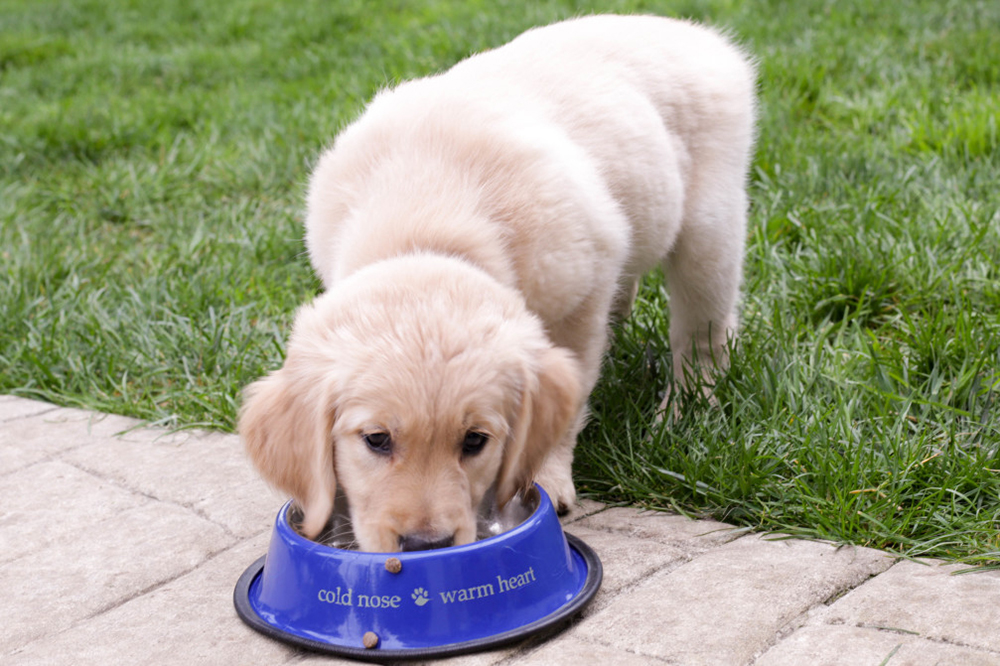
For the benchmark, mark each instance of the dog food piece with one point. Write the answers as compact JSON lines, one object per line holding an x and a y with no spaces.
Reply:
{"x":393,"y":565}
{"x":370,"y":640}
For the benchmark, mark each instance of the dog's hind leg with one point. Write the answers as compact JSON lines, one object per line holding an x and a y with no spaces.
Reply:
{"x":703,"y":273}
{"x":624,"y":300}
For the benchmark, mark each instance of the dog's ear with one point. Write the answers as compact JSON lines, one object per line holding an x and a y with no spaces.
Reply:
{"x":285,"y":424}
{"x":549,"y":403}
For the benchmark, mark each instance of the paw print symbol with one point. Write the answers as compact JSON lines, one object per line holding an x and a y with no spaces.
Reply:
{"x":420,"y":596}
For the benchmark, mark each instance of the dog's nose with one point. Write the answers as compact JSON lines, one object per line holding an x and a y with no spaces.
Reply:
{"x":409,"y":542}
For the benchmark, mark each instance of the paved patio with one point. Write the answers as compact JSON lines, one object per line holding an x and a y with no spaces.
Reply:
{"x":121,"y":543}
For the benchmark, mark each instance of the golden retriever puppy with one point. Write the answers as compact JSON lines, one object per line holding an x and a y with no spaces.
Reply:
{"x":475,"y":232}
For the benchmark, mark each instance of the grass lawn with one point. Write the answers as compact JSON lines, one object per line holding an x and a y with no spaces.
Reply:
{"x":153,"y":158}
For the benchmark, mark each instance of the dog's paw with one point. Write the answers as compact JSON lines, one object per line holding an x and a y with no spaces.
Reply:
{"x":560,"y":489}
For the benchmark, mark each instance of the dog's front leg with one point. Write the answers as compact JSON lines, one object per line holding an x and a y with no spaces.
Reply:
{"x":585,"y":333}
{"x":556,"y":475}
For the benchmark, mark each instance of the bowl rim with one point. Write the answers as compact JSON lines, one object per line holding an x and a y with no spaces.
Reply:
{"x":592,"y":582}
{"x":284,"y":524}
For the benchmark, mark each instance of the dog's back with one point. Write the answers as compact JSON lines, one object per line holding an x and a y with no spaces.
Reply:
{"x":566,"y":164}
{"x":625,"y":100}
{"x":639,"y":94}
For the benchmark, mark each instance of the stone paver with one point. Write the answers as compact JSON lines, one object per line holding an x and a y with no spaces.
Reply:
{"x":12,"y":407}
{"x":625,"y":561}
{"x":849,"y":646}
{"x":187,"y":620}
{"x":666,"y":528}
{"x":73,"y":501}
{"x":729,"y":603}
{"x":205,"y":472}
{"x":111,"y":561}
{"x":573,"y":651}
{"x":47,"y":432}
{"x":122,"y":544}
{"x":930,"y":601}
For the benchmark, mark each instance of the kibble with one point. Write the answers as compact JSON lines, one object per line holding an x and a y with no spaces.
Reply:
{"x":393,"y":565}
{"x":370,"y":640}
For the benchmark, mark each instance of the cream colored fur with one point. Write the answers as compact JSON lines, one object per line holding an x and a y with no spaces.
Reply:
{"x":475,"y":231}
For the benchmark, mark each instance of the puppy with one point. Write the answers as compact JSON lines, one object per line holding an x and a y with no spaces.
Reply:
{"x":475,"y":232}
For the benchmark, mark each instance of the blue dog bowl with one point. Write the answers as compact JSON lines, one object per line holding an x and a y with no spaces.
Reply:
{"x":434,"y":603}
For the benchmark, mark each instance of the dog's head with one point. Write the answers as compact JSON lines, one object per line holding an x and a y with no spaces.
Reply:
{"x":417,"y":385}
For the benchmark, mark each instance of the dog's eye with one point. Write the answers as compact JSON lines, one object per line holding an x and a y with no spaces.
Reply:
{"x":473,"y":443}
{"x":379,"y":442}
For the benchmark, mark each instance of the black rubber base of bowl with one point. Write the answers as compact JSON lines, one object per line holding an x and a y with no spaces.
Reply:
{"x":552,"y":621}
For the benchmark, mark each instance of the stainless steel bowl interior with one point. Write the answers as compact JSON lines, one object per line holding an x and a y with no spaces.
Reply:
{"x":491,"y":519}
